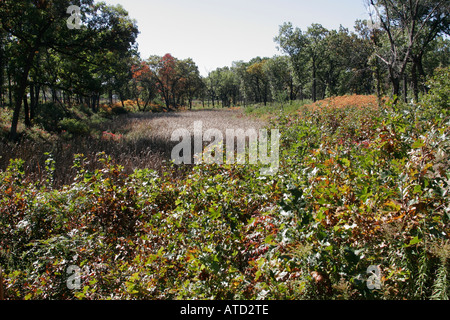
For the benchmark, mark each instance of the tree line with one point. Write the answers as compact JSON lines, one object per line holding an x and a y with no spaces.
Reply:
{"x":40,"y":55}
{"x":392,"y":53}
{"x":41,"y":59}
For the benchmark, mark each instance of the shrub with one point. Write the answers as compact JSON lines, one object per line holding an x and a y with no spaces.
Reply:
{"x":48,"y":115}
{"x":439,"y":95}
{"x":74,"y":126}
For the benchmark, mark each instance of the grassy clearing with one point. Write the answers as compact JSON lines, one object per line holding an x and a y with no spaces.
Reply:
{"x":135,"y":140}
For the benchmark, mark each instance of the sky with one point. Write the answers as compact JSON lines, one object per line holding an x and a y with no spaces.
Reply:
{"x":214,"y":33}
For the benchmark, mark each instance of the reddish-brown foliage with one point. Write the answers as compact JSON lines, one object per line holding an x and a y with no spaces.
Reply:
{"x":357,"y":101}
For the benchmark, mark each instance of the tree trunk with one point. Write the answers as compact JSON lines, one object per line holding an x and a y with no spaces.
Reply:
{"x":10,"y":90}
{"x":53,"y":95}
{"x":405,"y":88}
{"x":2,"y":295}
{"x":87,"y":101}
{"x":422,"y":75}
{"x":415,"y":82}
{"x":291,"y":89}
{"x":121,"y":99}
{"x":395,"y":89}
{"x":44,"y":94}
{"x":1,"y":93}
{"x":21,"y":88}
{"x":2,"y":64}
{"x":92,"y":98}
{"x":95,"y":102}
{"x":32,"y":101}
{"x":26,"y":109}
{"x":36,"y":100}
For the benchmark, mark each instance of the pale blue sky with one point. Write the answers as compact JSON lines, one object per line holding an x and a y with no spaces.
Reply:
{"x":214,"y":33}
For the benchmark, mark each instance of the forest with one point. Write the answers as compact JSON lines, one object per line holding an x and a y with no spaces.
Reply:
{"x":87,"y":183}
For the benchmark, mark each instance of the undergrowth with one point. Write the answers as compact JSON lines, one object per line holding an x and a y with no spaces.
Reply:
{"x":357,"y":187}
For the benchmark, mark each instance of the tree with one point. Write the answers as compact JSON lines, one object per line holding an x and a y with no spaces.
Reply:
{"x":39,"y":26}
{"x":281,"y":78}
{"x":175,"y":79}
{"x":143,"y":85}
{"x":346,"y":67}
{"x":293,"y":42}
{"x":408,"y":27}
{"x":306,"y":50}
{"x":166,"y":77}
{"x":258,"y":80}
{"x":316,"y":52}
{"x":2,"y":65}
{"x":191,"y":82}
{"x":228,"y":86}
{"x":121,"y":74}
{"x":211,"y":84}
{"x":31,"y":24}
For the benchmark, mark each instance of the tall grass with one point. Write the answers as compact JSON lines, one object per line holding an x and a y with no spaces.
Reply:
{"x":135,"y":140}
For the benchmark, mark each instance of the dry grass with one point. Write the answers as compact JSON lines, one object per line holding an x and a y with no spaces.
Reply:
{"x":140,"y":140}
{"x":357,"y":101}
{"x":162,"y":125}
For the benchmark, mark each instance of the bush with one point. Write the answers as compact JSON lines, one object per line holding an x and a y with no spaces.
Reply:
{"x":48,"y":115}
{"x":438,"y":98}
{"x":74,"y":126}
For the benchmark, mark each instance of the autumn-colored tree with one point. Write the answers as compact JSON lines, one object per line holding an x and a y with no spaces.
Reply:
{"x":174,"y":79}
{"x":143,"y":85}
{"x":164,"y":73}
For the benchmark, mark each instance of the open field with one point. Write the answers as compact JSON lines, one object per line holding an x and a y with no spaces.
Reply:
{"x":136,"y":141}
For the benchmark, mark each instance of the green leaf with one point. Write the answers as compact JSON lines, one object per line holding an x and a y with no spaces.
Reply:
{"x":413,"y":241}
{"x":417,"y":189}
{"x":321,"y":214}
{"x":258,"y":275}
{"x":418,"y":144}
{"x":345,"y":161}
{"x":215,"y":213}
{"x":270,"y":239}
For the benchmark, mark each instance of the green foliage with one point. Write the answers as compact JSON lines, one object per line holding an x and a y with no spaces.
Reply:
{"x":73,"y":126}
{"x":274,"y":109}
{"x":356,"y":188}
{"x":439,"y":96}
{"x":48,"y":115}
